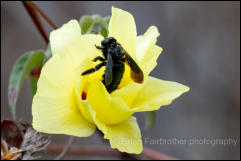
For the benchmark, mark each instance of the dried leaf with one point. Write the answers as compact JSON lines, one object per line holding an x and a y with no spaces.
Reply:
{"x":33,"y":142}
{"x":14,"y":146}
{"x":11,"y":133}
{"x":4,"y":149}
{"x":13,"y":154}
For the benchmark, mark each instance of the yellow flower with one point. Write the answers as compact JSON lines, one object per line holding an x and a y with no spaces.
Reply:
{"x":68,"y":103}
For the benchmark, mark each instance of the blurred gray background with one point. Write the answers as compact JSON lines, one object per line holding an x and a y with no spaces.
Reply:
{"x":201,"y":42}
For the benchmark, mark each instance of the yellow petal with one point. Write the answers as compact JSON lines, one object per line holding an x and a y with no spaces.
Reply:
{"x":145,"y":41}
{"x":54,"y":107}
{"x":150,"y":95}
{"x":146,"y":51}
{"x":126,"y":79}
{"x":128,"y":93}
{"x":81,"y":50}
{"x":123,"y":28}
{"x":64,"y":36}
{"x":149,"y":63}
{"x":156,"y":93}
{"x":125,"y":136}
{"x":110,"y":110}
{"x":85,"y":46}
{"x":82,"y":84}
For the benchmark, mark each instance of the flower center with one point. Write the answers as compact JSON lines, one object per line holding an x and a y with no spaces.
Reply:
{"x":84,"y":95}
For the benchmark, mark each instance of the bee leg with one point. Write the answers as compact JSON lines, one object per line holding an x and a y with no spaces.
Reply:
{"x":122,"y":60}
{"x":97,"y":67}
{"x":98,"y":58}
{"x":99,"y":47}
{"x":92,"y":70}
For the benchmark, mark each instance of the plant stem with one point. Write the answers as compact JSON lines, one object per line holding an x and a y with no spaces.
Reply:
{"x":36,"y":21}
{"x":65,"y":150}
{"x":34,"y":6}
{"x":105,"y":151}
{"x":156,"y":155}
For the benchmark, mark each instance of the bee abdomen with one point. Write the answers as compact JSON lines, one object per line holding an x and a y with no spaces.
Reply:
{"x":118,"y":71}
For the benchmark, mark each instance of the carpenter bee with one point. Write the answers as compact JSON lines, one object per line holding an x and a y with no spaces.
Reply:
{"x":114,"y":61}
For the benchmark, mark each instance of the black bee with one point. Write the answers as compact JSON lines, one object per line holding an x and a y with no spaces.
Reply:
{"x":114,"y":60}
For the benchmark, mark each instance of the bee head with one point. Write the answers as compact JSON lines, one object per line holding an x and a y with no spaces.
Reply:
{"x":108,"y":41}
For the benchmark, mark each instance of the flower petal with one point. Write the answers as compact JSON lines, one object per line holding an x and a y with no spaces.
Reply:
{"x":84,"y":47}
{"x":156,"y":93}
{"x":123,"y":28}
{"x":128,"y":93}
{"x":64,"y":36}
{"x":125,"y":136}
{"x":147,"y":51}
{"x":149,"y":63}
{"x":54,"y":106}
{"x":82,"y":84}
{"x":146,"y":41}
{"x":110,"y":110}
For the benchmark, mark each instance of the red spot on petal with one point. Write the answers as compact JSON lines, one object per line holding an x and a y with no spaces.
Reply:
{"x":84,"y":95}
{"x":35,"y":72}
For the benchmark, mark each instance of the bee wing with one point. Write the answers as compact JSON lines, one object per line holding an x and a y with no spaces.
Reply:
{"x":108,"y":70}
{"x":136,"y":72}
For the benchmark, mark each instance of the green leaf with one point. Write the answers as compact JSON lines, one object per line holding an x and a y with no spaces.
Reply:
{"x":21,"y":69}
{"x":85,"y":23}
{"x":150,"y":120}
{"x":95,"y":23}
{"x":102,"y":25}
{"x":34,"y":76}
{"x":33,"y":84}
{"x":33,"y":79}
{"x":107,"y":20}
